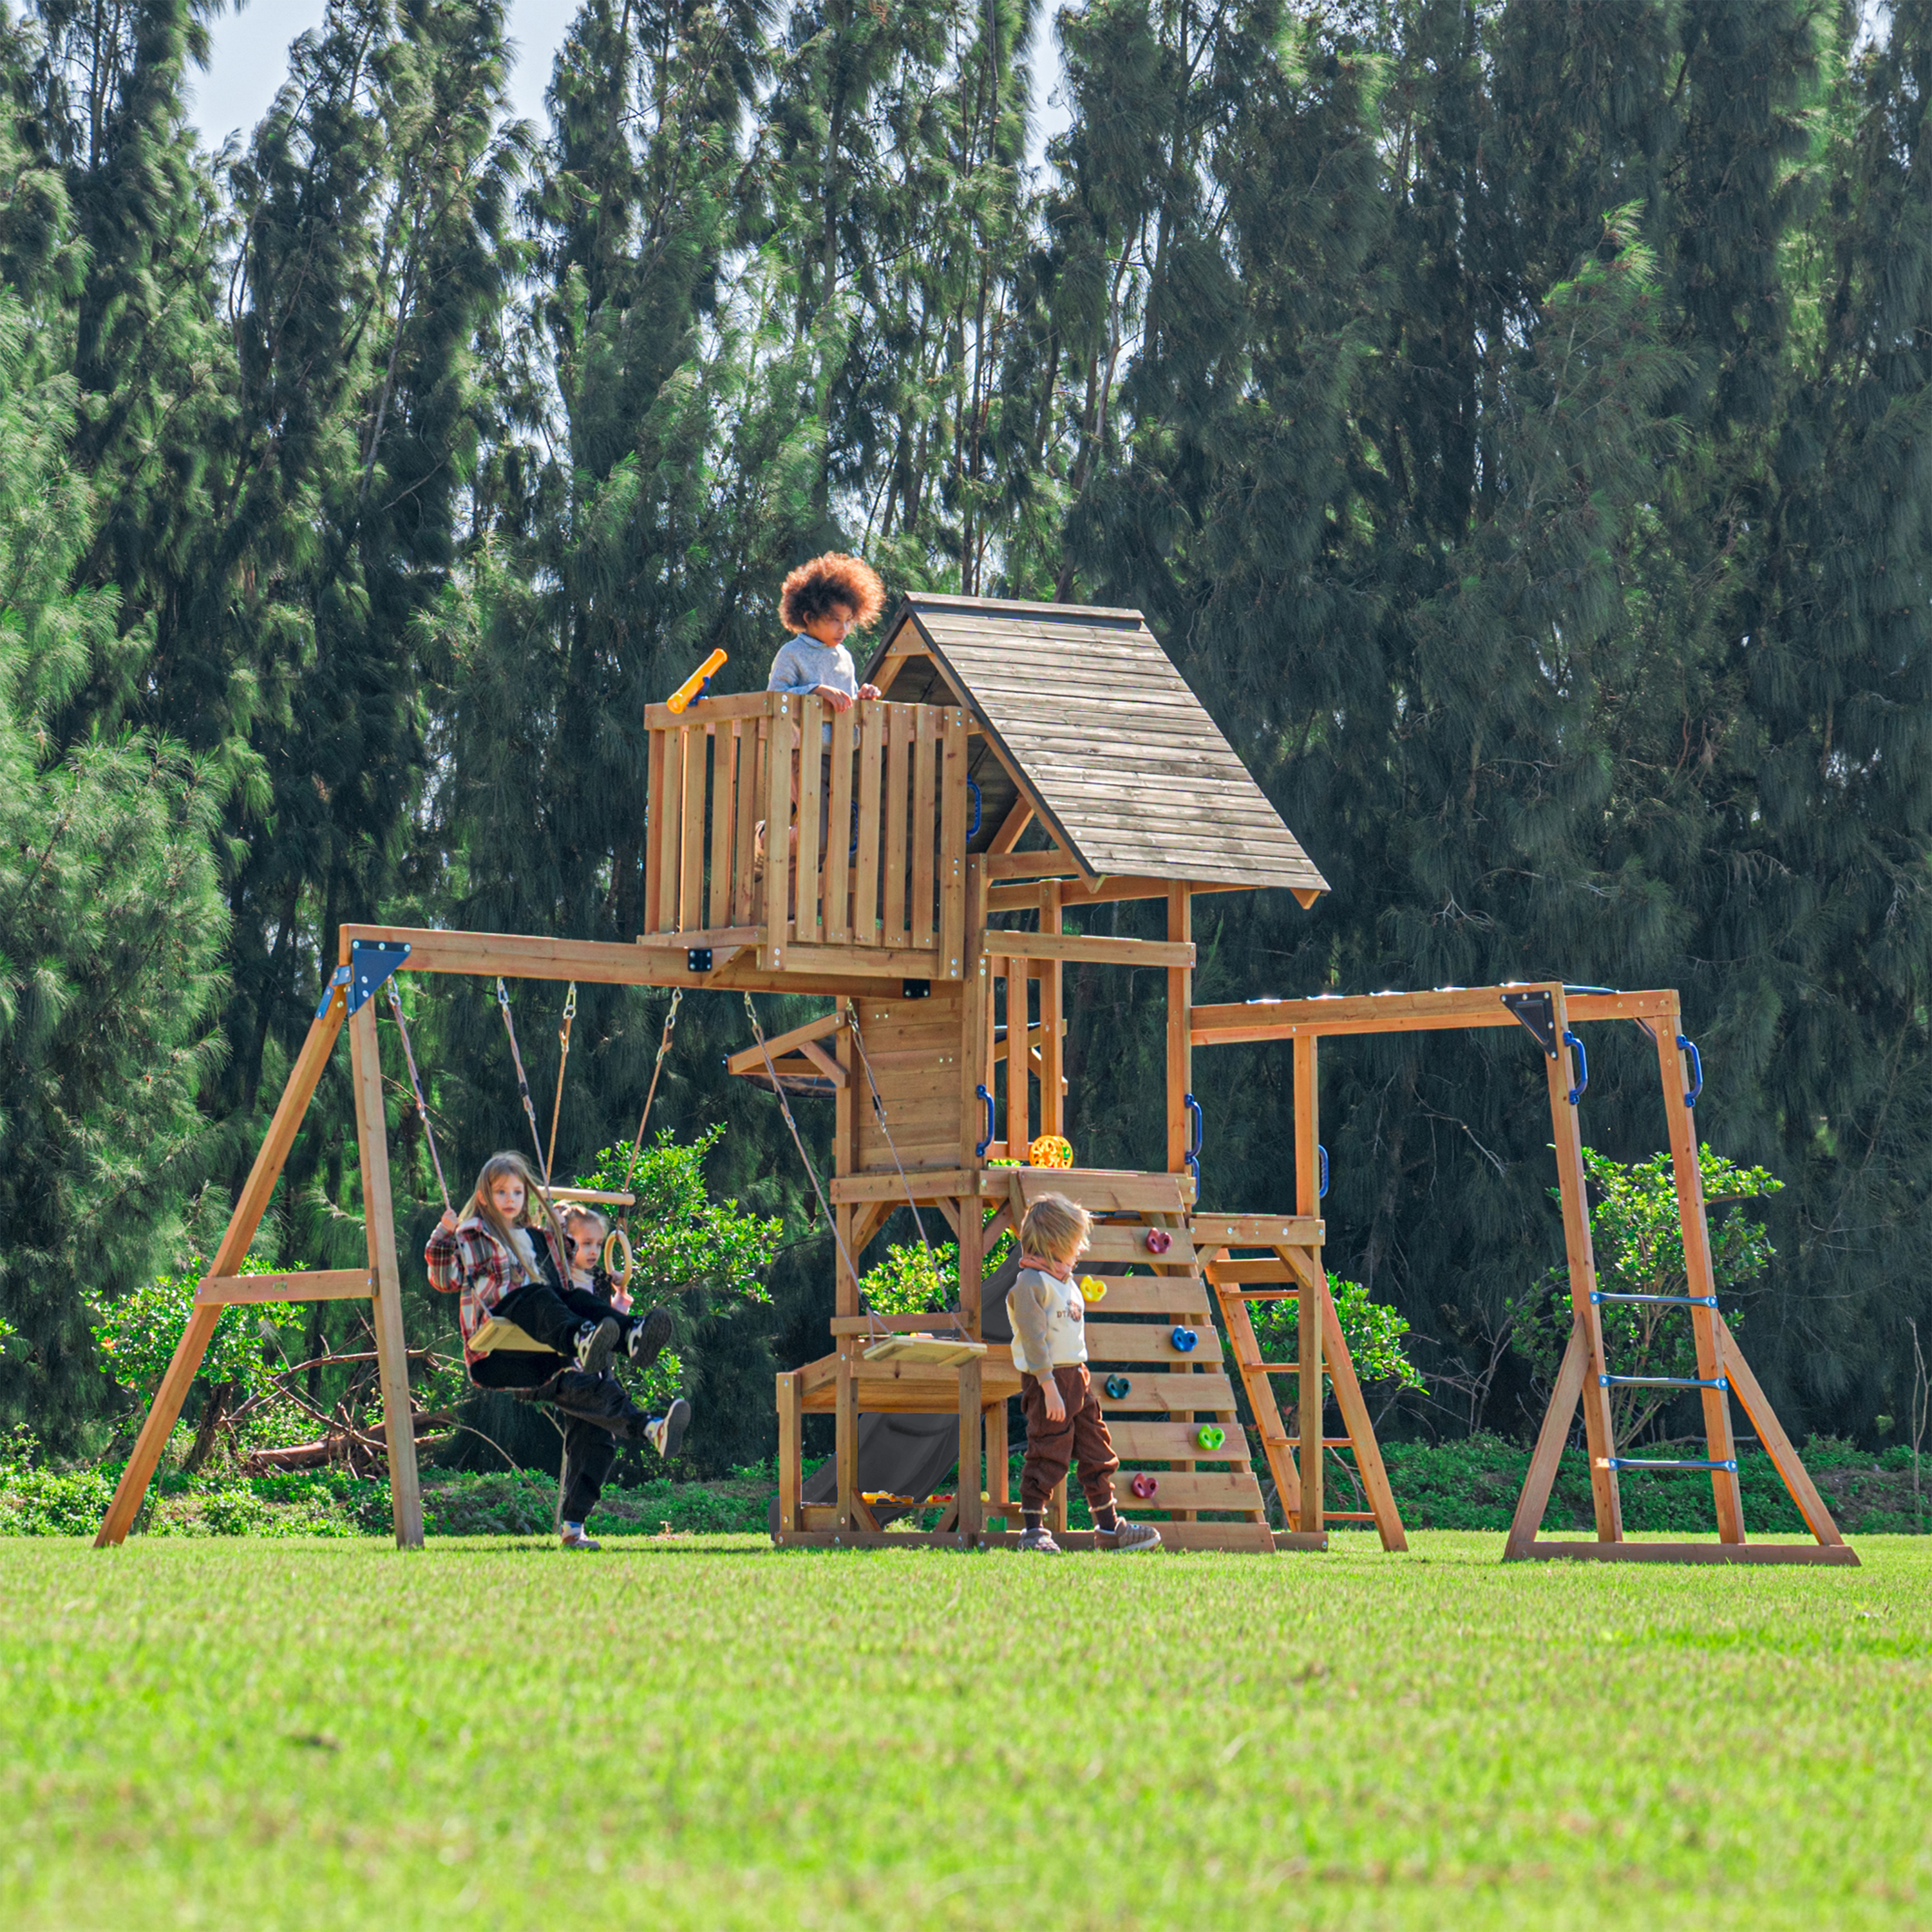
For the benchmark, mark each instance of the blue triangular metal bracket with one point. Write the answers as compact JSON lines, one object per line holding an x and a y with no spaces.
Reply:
{"x":370,"y":962}
{"x":1537,"y":1012}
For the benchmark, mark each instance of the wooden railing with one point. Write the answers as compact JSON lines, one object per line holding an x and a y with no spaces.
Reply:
{"x":878,"y":859}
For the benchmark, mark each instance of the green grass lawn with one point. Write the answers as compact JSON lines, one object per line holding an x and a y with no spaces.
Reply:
{"x":704,"y":1732}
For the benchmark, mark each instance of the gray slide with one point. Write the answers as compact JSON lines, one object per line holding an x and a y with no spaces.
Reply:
{"x":912,"y":1455}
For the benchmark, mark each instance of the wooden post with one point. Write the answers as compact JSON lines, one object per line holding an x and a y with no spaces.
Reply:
{"x":1019,"y":1111}
{"x":1568,"y":1137}
{"x":1052,"y":1110}
{"x":379,"y":1221}
{"x":1700,"y":1278}
{"x":791,"y":1454}
{"x":229,"y":1256}
{"x":1180,"y":1046}
{"x":976,"y":1068}
{"x":845,"y":1448}
{"x":1308,"y":1318}
{"x":972,"y":1517}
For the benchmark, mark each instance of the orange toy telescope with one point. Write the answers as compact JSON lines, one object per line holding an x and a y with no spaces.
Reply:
{"x":694,"y":686}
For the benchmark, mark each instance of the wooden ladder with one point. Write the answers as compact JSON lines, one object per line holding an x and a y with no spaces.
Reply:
{"x":1289,"y":1263}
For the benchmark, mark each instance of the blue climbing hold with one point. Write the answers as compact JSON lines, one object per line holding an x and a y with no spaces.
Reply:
{"x":1184,"y":1339}
{"x":1116,"y":1386}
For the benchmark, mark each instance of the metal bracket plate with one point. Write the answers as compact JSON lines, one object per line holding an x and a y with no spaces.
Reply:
{"x":697,"y":959}
{"x":369,"y":964}
{"x":1537,"y":1011}
{"x":916,"y":989}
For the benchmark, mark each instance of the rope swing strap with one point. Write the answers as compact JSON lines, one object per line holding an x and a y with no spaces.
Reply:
{"x":530,"y":1114}
{"x":563,"y":1062}
{"x":416,"y":1087}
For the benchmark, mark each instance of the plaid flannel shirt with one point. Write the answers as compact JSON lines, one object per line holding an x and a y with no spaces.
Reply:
{"x":472,"y":1261}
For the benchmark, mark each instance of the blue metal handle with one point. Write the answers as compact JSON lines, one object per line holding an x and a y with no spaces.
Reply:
{"x":1193,"y":1155}
{"x":973,"y":786}
{"x":1582,"y":1086}
{"x":1690,"y":1046}
{"x":1321,"y":1178}
{"x":979,"y":1152}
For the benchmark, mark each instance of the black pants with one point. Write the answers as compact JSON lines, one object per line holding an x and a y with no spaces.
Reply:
{"x":596,"y":1413}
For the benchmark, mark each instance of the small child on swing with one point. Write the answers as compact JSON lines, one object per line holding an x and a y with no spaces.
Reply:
{"x":1063,"y":1420}
{"x":586,"y":1230}
{"x":506,"y":1258}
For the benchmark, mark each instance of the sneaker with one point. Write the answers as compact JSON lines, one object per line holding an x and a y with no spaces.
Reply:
{"x":648,"y":1336}
{"x":574,"y":1538}
{"x":1040,"y":1539}
{"x":665,"y":1432}
{"x":1125,"y":1535}
{"x":596,"y":1343}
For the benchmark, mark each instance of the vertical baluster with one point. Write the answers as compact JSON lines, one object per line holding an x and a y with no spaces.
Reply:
{"x":925,"y":825}
{"x":865,"y":867}
{"x":839,"y":831}
{"x":952,"y":849}
{"x":691,"y":861}
{"x":724,"y":808}
{"x":810,"y":814}
{"x":668,"y":841}
{"x":751,"y":733}
{"x":898,"y":785}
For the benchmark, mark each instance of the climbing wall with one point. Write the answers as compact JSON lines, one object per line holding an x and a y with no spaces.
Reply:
{"x":1155,"y":1355}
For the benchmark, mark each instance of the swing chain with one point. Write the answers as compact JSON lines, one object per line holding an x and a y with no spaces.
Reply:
{"x":563,"y":1062}
{"x":879,"y":1114}
{"x":798,"y":1141}
{"x":530,"y":1114}
{"x":620,"y":1235}
{"x":416,"y":1087}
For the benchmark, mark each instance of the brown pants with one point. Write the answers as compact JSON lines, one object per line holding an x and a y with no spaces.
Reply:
{"x":1080,"y":1435}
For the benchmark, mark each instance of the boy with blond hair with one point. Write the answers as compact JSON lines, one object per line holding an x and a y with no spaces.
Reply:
{"x":1064,"y":1421}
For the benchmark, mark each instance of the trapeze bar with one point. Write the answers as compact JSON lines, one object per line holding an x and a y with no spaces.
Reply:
{"x":1675,"y":1300}
{"x":1662,"y":1381}
{"x":1648,"y":1462}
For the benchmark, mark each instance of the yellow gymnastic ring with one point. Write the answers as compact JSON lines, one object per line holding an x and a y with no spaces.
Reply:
{"x":1050,"y":1150}
{"x":617,"y":1239}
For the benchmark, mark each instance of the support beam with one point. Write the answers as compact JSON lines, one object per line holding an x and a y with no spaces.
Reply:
{"x":1308,"y":1323}
{"x":1567,"y":1136}
{"x":1453,"y":1009}
{"x":1180,"y":1049}
{"x":379,"y":1219}
{"x":249,"y":1209}
{"x":1100,"y":948}
{"x":1726,"y":1492}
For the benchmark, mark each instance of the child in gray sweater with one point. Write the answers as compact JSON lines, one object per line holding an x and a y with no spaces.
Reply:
{"x":822,"y":602}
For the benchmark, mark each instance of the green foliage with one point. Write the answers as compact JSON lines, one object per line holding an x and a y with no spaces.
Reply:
{"x":1372,"y":1331}
{"x":912,"y":1279}
{"x":137,"y":1333}
{"x":1638,"y":1241}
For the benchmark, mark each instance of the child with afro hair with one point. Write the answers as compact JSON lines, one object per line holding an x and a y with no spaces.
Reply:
{"x":821,"y":602}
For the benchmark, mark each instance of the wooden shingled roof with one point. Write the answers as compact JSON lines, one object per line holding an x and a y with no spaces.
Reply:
{"x":1080,"y":705}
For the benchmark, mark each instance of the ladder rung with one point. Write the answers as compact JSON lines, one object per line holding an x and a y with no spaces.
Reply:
{"x":1348,"y":1516}
{"x":1275,"y":1368}
{"x":1652,"y":1462}
{"x":1674,"y":1300}
{"x":1662,"y":1381}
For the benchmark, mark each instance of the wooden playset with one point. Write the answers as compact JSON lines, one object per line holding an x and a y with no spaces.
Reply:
{"x":928,"y":864}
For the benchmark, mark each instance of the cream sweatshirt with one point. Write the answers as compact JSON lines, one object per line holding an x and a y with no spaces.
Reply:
{"x":1049,"y":1318}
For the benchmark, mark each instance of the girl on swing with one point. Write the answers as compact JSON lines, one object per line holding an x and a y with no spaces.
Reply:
{"x":504,"y":1256}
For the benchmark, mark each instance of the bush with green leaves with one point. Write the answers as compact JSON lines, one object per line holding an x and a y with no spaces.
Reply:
{"x":1638,"y":1240}
{"x":1372,"y":1331}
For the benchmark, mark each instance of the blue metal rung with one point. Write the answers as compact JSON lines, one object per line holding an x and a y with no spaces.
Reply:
{"x":1646,"y":1463}
{"x":1675,"y":1300}
{"x":1662,"y":1381}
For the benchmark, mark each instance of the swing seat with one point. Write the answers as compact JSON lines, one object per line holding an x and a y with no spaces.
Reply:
{"x":943,"y":1352}
{"x":497,"y":1336}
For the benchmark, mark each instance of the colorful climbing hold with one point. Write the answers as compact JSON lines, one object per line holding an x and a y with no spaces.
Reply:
{"x":1210,"y":1436}
{"x":1184,"y":1339}
{"x":1143,"y":1486}
{"x":1159,"y":1240}
{"x":1092,"y":1288}
{"x":1116,"y":1386}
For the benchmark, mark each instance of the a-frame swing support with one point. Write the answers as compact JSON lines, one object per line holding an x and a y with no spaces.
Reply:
{"x":1549,"y":1011}
{"x":367,"y":955}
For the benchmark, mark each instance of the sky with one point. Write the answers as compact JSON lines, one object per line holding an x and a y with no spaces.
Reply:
{"x":251,"y":61}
